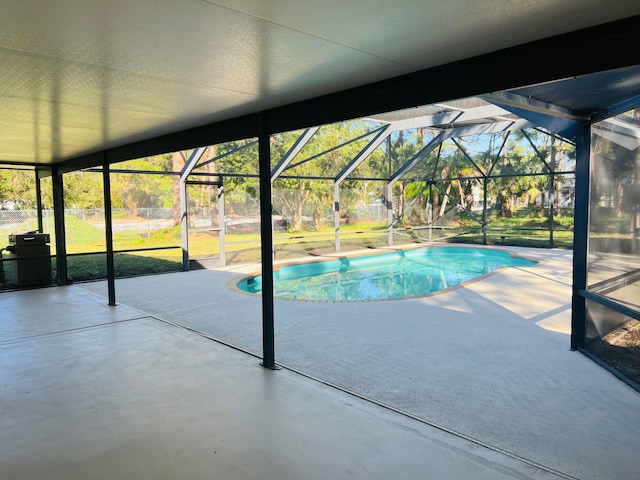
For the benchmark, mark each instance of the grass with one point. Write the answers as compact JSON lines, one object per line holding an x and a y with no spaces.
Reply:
{"x":84,"y":237}
{"x":93,"y":266}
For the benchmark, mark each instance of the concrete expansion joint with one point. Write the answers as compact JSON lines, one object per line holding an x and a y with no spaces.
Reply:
{"x":429,"y":423}
{"x":70,"y":330}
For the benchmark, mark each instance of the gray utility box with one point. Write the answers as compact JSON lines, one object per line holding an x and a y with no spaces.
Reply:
{"x":30,"y":256}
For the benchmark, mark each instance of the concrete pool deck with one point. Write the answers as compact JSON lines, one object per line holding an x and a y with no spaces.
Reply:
{"x":490,"y":360}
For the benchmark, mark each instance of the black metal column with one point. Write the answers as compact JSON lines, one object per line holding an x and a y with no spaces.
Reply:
{"x":581,"y":237}
{"x":108,"y":231}
{"x":58,"y":215}
{"x":39,"y":202}
{"x":552,"y":193}
{"x":485,"y":190}
{"x":266,"y":243}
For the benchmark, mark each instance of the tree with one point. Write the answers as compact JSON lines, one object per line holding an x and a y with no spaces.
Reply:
{"x":17,"y":189}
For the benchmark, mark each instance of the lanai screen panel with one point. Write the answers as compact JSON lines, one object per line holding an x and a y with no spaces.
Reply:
{"x":614,"y":231}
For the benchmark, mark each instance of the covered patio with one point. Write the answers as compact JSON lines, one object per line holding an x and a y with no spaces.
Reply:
{"x":479,"y":367}
{"x":176,"y":375}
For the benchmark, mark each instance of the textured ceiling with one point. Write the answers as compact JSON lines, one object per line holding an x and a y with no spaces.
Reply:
{"x":81,"y":76}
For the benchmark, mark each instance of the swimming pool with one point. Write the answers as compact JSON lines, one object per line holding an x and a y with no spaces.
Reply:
{"x":384,"y":276}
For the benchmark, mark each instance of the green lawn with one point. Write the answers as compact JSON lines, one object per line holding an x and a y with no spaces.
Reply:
{"x":85,"y":238}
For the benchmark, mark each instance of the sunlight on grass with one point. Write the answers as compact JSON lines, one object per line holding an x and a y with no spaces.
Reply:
{"x":86,"y":237}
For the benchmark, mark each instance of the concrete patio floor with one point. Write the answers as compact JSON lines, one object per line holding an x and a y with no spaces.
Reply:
{"x":95,"y":392}
{"x":490,"y":360}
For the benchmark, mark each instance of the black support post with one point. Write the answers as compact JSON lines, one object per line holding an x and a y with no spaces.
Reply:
{"x":266,"y":243}
{"x":485,"y":188}
{"x":108,"y":231}
{"x":552,"y":193}
{"x":58,"y":214}
{"x":581,"y":237}
{"x":39,"y":202}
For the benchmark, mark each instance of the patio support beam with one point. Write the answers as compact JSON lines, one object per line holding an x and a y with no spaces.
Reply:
{"x":225,"y":154}
{"x":425,"y":121}
{"x":430,"y":211}
{"x":191,"y":162}
{"x":266,"y":247}
{"x":413,"y":161}
{"x":222,"y":234}
{"x":295,"y":149}
{"x":58,"y":215}
{"x":457,"y":132}
{"x":388,"y":203}
{"x":581,"y":238}
{"x":363,"y":154}
{"x":336,"y":215}
{"x":553,"y":118}
{"x":39,"y":201}
{"x":108,"y":231}
{"x":518,"y":101}
{"x":552,"y":193}
{"x":485,"y":194}
{"x":617,"y":109}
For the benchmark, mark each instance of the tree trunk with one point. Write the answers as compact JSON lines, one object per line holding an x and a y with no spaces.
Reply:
{"x":401,"y":199}
{"x":317,"y":217}
{"x":443,"y":207}
{"x":296,"y":220}
{"x":435,"y":207}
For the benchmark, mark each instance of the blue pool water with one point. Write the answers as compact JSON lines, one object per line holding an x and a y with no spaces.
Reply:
{"x":383,"y":276}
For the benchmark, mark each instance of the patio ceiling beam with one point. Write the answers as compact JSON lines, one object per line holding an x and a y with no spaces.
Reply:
{"x":617,"y":109}
{"x":191,"y":162}
{"x":413,"y":161}
{"x":485,"y":111}
{"x":537,"y":106}
{"x":441,"y":118}
{"x":457,"y":132}
{"x":563,"y":121}
{"x":363,"y":154}
{"x":218,"y":157}
{"x":552,"y":134}
{"x":336,"y":147}
{"x":425,"y":121}
{"x":295,"y":149}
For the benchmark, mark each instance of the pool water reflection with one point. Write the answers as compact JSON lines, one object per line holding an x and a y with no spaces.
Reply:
{"x":383,"y":276}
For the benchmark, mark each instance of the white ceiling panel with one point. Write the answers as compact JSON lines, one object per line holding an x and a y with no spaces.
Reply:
{"x":54,"y":80}
{"x":427,"y":33}
{"x":186,"y":41}
{"x":80,"y":76}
